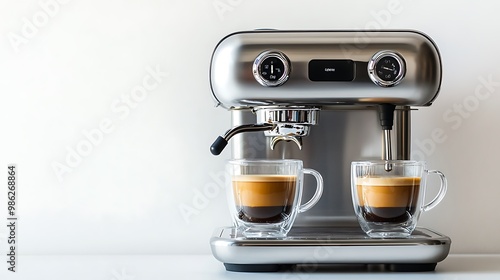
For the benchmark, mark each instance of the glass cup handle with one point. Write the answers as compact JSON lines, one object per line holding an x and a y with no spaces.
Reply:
{"x":442,"y":191}
{"x":319,"y":190}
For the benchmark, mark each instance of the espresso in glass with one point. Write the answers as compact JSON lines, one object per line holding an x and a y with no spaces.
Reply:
{"x":265,"y":195}
{"x":264,"y":198}
{"x":388,"y":199}
{"x":388,"y":203}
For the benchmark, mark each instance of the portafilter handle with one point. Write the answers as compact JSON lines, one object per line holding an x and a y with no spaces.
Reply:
{"x":221,"y":142}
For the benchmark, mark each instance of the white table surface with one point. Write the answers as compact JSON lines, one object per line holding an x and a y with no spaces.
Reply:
{"x":175,"y":267}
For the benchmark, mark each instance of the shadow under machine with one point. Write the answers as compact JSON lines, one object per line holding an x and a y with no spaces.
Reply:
{"x":327,"y":98}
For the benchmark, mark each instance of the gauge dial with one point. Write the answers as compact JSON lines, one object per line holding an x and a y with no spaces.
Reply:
{"x":386,"y":68}
{"x":271,"y":68}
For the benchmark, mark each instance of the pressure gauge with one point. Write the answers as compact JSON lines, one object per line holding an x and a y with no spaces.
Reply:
{"x":271,"y":68}
{"x":386,"y":68}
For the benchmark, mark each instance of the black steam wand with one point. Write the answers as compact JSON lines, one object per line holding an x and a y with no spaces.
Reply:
{"x":221,"y":142}
{"x":386,"y":116}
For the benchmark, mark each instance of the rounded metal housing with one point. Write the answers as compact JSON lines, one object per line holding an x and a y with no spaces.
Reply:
{"x":234,"y":85}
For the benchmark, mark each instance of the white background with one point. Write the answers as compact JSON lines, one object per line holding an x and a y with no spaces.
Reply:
{"x":67,"y":67}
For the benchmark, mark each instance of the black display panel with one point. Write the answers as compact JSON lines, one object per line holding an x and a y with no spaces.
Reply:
{"x":331,"y":70}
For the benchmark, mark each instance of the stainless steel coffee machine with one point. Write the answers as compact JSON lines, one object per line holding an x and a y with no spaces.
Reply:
{"x":327,"y":98}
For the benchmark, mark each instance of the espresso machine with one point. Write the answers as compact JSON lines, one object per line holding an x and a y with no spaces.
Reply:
{"x":327,"y":98}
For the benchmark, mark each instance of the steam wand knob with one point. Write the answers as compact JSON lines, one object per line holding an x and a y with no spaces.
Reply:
{"x":219,"y":144}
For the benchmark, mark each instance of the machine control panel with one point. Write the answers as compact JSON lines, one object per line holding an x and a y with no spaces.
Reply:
{"x":386,"y":68}
{"x":271,"y":68}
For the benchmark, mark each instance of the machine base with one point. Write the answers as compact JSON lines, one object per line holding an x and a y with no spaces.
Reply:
{"x":309,"y":249}
{"x":397,"y":267}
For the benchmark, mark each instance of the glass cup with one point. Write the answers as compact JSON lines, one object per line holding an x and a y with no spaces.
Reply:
{"x":265,"y":195}
{"x":388,"y":204}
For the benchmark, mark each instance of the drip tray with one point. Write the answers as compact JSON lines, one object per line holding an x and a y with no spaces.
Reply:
{"x":320,"y":246}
